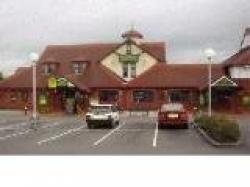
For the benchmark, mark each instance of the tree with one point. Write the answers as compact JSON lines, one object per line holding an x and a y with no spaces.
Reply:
{"x":1,"y":76}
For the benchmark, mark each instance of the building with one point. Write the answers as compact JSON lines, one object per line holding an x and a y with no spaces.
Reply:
{"x":134,"y":74}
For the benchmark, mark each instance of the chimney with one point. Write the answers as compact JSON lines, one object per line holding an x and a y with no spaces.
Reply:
{"x":246,"y":39}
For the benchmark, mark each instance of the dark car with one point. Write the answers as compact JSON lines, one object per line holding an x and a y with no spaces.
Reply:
{"x":173,"y":115}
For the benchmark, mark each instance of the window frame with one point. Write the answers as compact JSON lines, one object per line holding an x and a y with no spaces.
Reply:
{"x":133,"y":70}
{"x":125,"y":67}
{"x":152,"y":92}
{"x":184,"y":96}
{"x":113,"y":100}
{"x":49,"y":68}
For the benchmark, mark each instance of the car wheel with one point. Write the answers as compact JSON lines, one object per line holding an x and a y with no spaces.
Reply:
{"x":112,"y":124}
{"x":117,"y":123}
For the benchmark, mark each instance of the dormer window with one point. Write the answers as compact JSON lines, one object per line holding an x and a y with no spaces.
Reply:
{"x":49,"y":68}
{"x":78,"y":67}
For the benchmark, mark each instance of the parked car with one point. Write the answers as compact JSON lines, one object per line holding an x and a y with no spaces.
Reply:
{"x":102,"y":114}
{"x":173,"y":115}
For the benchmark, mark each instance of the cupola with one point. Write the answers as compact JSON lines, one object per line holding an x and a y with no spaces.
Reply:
{"x":133,"y":35}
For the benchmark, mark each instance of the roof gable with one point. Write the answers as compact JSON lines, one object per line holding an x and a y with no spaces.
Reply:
{"x":240,"y":58}
{"x":224,"y":81}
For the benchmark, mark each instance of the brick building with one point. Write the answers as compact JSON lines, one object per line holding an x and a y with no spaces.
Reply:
{"x":134,"y":74}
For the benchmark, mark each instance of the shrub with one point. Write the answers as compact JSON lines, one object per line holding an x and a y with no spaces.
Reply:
{"x":219,"y":128}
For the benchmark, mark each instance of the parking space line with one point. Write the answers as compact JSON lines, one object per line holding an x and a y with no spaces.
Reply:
{"x":13,"y":126}
{"x":53,"y":124}
{"x":155,"y":135}
{"x":15,"y":134}
{"x":108,"y":134}
{"x":55,"y":137}
{"x":22,"y":124}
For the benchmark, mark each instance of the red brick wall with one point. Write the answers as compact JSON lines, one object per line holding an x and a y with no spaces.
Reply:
{"x":13,"y":99}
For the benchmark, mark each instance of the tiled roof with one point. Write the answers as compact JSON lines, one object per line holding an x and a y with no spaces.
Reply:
{"x":94,"y":76}
{"x":23,"y":79}
{"x":240,"y":58}
{"x":94,"y":52}
{"x":176,"y":76}
{"x":97,"y":76}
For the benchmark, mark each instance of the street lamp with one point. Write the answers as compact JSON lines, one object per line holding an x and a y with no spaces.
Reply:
{"x":210,"y":53}
{"x":34,"y":58}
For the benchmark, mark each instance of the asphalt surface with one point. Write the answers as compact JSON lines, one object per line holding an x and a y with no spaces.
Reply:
{"x":136,"y":135}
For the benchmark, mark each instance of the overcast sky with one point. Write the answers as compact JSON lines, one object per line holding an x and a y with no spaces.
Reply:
{"x":187,"y":26}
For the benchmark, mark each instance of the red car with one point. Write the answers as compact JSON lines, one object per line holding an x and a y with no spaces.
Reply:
{"x":173,"y":115}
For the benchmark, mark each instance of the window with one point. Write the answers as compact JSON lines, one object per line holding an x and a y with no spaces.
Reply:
{"x":24,"y":96}
{"x":125,"y":71}
{"x":128,"y":70}
{"x":78,"y":67}
{"x":108,"y":96}
{"x":49,"y":68}
{"x":133,"y":70}
{"x":179,"y":96}
{"x":143,"y":96}
{"x":13,"y":96}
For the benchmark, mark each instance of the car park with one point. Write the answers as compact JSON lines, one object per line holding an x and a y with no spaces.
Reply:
{"x":173,"y":115}
{"x":102,"y":115}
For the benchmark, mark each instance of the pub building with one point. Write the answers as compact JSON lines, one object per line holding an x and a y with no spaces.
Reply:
{"x":133,"y":74}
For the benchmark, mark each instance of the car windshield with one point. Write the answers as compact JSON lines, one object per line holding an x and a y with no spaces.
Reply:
{"x":172,"y":107}
{"x":100,"y":109}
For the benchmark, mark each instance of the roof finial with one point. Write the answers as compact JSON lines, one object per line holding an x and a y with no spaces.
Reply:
{"x":132,"y":33}
{"x":132,"y":26}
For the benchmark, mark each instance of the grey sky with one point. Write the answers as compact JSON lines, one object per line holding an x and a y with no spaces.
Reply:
{"x":187,"y":26}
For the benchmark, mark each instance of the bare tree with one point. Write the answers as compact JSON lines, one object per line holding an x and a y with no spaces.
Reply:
{"x":1,"y":76}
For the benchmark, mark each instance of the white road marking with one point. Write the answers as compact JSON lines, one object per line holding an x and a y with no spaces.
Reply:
{"x":155,"y":135}
{"x":17,"y":125}
{"x":13,"y":126}
{"x":120,"y":130}
{"x":15,"y":134}
{"x":108,"y":134}
{"x":53,"y":138}
{"x":52,"y":125}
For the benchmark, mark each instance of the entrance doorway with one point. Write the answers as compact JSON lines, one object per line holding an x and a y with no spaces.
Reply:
{"x":74,"y":101}
{"x":223,"y":98}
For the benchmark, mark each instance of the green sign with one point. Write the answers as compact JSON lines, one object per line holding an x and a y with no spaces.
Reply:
{"x":43,"y":100}
{"x":52,"y":82}
{"x":58,"y":83}
{"x":128,"y":58}
{"x":62,"y":82}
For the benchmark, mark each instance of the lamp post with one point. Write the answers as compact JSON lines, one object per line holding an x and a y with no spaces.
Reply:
{"x":210,"y":53}
{"x":33,"y":58}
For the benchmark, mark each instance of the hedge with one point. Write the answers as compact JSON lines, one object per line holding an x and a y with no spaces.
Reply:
{"x":220,"y":128}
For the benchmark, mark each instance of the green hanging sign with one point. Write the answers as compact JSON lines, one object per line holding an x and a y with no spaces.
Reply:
{"x":62,"y":82}
{"x":129,"y":58}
